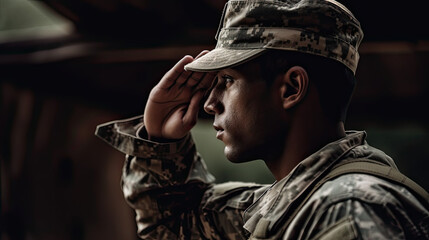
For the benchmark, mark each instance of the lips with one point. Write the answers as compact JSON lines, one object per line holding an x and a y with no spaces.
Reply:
{"x":219,"y":131}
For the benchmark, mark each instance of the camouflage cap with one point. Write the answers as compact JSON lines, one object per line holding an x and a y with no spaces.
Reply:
{"x":250,"y":27}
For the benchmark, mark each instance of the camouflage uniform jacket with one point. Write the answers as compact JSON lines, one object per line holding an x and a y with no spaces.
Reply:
{"x":175,"y":198}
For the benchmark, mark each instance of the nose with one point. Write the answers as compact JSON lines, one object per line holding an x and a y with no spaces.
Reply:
{"x":213,"y":104}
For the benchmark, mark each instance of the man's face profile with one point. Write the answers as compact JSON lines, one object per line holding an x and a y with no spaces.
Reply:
{"x":246,"y":112}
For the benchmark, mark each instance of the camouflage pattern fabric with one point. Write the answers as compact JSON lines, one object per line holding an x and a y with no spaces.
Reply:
{"x":248,"y":27}
{"x":175,"y":196}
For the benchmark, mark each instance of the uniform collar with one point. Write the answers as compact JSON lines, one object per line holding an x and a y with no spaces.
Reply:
{"x":276,"y":200}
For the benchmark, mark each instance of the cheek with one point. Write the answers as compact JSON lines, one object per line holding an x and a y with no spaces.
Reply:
{"x":236,"y":126}
{"x":245,"y":113}
{"x":243,"y":122}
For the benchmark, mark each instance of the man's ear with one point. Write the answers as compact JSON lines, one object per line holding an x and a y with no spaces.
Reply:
{"x":294,"y":86}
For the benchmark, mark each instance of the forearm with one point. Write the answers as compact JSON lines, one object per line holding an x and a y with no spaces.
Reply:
{"x":163,"y":182}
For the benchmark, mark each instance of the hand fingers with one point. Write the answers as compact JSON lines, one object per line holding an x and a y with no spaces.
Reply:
{"x":194,"y":78}
{"x":191,"y":78}
{"x":174,"y":73}
{"x":181,"y":79}
{"x":191,"y":115}
{"x":207,"y":81}
{"x":177,"y":75}
{"x":204,"y":52}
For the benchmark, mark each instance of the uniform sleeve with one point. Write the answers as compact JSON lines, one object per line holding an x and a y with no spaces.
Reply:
{"x":171,"y":190}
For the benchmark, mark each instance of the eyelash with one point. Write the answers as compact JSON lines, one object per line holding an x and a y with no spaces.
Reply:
{"x":227,"y":79}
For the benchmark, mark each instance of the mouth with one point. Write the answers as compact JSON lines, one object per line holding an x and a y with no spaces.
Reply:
{"x":219,"y":131}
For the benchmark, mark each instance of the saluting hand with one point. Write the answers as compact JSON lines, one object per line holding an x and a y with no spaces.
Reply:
{"x":172,"y":108}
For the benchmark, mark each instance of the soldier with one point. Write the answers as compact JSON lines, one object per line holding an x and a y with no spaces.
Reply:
{"x":278,"y":83}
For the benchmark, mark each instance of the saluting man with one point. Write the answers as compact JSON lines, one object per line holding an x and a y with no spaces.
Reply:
{"x":278,"y":84}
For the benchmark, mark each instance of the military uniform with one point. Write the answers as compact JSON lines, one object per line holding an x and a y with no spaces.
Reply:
{"x":175,"y":196}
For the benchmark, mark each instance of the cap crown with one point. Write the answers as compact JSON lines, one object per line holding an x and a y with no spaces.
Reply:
{"x":320,"y":27}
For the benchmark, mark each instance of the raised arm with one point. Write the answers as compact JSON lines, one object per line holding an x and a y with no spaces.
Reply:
{"x":164,"y":179}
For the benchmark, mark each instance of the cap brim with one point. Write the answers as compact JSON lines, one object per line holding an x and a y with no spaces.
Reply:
{"x":220,"y":58}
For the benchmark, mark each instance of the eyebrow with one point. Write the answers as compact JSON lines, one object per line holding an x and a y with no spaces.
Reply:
{"x":230,"y":71}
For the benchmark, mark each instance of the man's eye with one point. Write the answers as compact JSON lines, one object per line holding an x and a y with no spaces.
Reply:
{"x":228,"y":79}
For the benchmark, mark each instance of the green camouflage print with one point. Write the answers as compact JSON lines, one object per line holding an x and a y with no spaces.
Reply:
{"x":178,"y":199}
{"x":248,"y":27}
{"x":157,"y":180}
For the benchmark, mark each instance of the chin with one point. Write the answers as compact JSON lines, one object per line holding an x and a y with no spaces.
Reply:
{"x":235,"y":156}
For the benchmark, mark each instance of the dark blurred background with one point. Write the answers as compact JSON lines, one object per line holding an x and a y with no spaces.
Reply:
{"x":68,"y":65}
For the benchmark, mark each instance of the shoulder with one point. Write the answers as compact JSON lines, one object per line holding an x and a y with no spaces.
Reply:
{"x":371,"y":191}
{"x":373,"y":207}
{"x":362,"y":187}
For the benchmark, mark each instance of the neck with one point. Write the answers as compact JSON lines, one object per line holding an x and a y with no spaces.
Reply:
{"x":306,"y":135}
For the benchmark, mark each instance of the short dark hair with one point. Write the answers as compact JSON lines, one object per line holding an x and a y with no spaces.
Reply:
{"x":334,"y":81}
